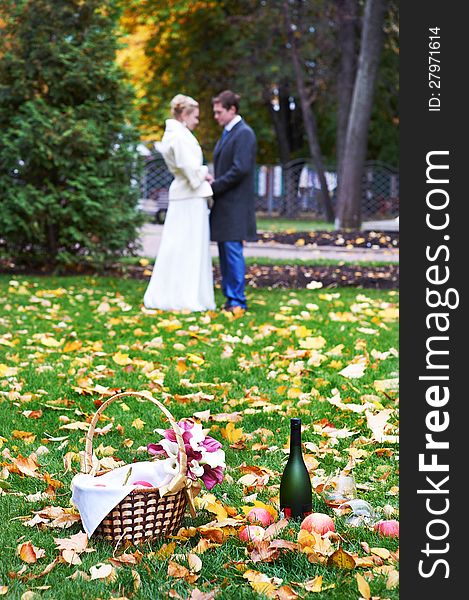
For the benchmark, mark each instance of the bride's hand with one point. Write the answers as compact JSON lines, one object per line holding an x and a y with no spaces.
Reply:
{"x":210,"y":178}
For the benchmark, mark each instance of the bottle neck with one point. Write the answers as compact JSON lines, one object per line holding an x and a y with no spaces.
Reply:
{"x":295,"y":442}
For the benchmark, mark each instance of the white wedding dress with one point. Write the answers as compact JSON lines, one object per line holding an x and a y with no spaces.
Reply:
{"x":182,"y":277}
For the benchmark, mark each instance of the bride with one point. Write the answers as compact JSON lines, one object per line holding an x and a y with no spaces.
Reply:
{"x":182,"y":277}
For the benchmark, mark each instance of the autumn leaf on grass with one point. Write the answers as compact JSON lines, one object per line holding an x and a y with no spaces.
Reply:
{"x":194,"y":562}
{"x":103,"y":571}
{"x":70,"y":557}
{"x":72,"y":346}
{"x":383,"y":553}
{"x":166,"y":550}
{"x":196,"y":594}
{"x":36,"y":520}
{"x":26,"y":466}
{"x":138,"y":423}
{"x":126,"y":559}
{"x":75,"y":426}
{"x":53,"y":484}
{"x":233,"y":417}
{"x":214,"y":534}
{"x":355,"y":369}
{"x":267,"y":550}
{"x":26,"y":436}
{"x":64,"y":520}
{"x":47,"y":340}
{"x":32,"y":414}
{"x":274,"y":529}
{"x":312,"y":542}
{"x":264,"y":552}
{"x":261,"y":583}
{"x":180,"y":572}
{"x":393,"y":579}
{"x":386,"y":384}
{"x":121,"y":359}
{"x":29,"y":553}
{"x":378,"y":423}
{"x":209,"y":502}
{"x":137,"y":581}
{"x":363,"y":586}
{"x":103,"y":308}
{"x":313,"y":343}
{"x":77,"y":542}
{"x":311,"y":462}
{"x":6,"y":371}
{"x":203,"y":545}
{"x":232,"y":434}
{"x":194,"y":358}
{"x":285,"y":592}
{"x":341,"y":559}
{"x":313,"y":585}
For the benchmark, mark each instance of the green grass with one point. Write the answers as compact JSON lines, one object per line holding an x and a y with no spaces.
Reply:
{"x":94,"y":318}
{"x":280,"y":224}
{"x":264,"y":260}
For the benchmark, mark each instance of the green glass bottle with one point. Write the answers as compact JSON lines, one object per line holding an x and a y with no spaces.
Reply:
{"x":295,"y":484}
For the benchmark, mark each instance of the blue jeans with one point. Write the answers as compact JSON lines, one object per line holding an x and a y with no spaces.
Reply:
{"x":233,"y":271}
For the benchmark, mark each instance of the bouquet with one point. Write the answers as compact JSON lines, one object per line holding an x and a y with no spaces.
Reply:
{"x":205,"y":457}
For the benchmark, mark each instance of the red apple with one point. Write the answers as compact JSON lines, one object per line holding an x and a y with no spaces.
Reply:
{"x":251,"y":533}
{"x":260,"y":515}
{"x":388,"y":528}
{"x":318,"y":522}
{"x":143,"y":483}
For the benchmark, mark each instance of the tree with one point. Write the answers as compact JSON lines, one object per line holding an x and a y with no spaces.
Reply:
{"x":69,"y":135}
{"x":309,"y":117}
{"x":296,"y":82}
{"x":347,"y":17}
{"x":354,"y":155}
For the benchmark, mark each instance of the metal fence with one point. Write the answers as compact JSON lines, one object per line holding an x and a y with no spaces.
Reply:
{"x":291,"y":190}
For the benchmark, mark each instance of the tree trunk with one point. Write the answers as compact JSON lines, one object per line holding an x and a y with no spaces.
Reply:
{"x":281,"y":121}
{"x":309,"y":118}
{"x":351,"y":172}
{"x":347,"y":14}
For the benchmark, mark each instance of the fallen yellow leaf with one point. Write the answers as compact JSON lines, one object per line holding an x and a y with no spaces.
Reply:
{"x":363,"y":586}
{"x":29,"y":553}
{"x":121,"y":359}
{"x":232,"y":434}
{"x":342,"y":559}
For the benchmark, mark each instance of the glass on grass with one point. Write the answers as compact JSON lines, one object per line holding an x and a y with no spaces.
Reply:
{"x":339,"y":489}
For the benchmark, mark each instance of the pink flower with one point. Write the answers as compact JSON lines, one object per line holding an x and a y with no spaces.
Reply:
{"x":192,"y":454}
{"x":210,"y":444}
{"x":185,"y":427}
{"x":205,"y":456}
{"x":212,"y":476}
{"x":156,"y":449}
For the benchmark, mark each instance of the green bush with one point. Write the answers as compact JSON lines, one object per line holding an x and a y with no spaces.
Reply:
{"x":68,"y":159}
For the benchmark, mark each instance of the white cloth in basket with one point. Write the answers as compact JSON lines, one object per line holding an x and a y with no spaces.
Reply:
{"x":95,"y":502}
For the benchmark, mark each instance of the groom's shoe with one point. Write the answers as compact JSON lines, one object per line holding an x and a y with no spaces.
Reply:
{"x":236,"y":309}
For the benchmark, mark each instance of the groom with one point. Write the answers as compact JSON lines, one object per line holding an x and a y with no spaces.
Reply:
{"x":233,"y":218}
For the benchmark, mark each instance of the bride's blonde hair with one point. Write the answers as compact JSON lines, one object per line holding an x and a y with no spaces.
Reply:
{"x":181,"y":103}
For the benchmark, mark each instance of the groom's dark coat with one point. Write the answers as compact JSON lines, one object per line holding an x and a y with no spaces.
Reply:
{"x":233,"y":217}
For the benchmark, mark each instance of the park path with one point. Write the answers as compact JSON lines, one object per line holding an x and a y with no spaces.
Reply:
{"x":151,"y":237}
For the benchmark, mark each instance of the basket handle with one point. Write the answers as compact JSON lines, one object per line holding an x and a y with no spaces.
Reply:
{"x":88,"y":462}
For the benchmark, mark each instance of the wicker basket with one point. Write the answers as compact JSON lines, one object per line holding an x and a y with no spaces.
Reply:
{"x":145,"y":513}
